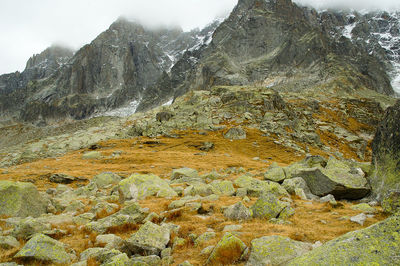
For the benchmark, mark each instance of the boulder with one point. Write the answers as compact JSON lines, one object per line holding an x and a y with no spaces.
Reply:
{"x":20,"y":200}
{"x":255,"y":187}
{"x":184,"y":172}
{"x":386,"y":154}
{"x":28,"y":227}
{"x":364,"y":207}
{"x":145,"y":186}
{"x":99,"y":254}
{"x":150,"y":239}
{"x":198,"y":188}
{"x":237,"y":212}
{"x":235,"y":133}
{"x":222,"y":188}
{"x":105,"y":179}
{"x":151,"y":260}
{"x":204,"y":238}
{"x":267,"y":207}
{"x":375,"y":245}
{"x":118,"y":260}
{"x":8,"y":242}
{"x":44,"y":248}
{"x":62,"y":179}
{"x":275,"y":250}
{"x":275,"y":173}
{"x":92,"y":155}
{"x":336,"y":179}
{"x":227,"y":251}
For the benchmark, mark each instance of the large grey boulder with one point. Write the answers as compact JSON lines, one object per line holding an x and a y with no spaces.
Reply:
{"x":235,"y":133}
{"x":20,"y":200}
{"x":228,"y":250}
{"x":268,"y":206}
{"x":150,"y":239}
{"x":145,"y":186}
{"x":105,"y":179}
{"x":255,"y":187}
{"x":44,"y":248}
{"x":237,"y":212}
{"x":8,"y":242}
{"x":375,"y":245}
{"x":275,"y":250}
{"x":275,"y":173}
{"x":28,"y":227}
{"x":338,"y":179}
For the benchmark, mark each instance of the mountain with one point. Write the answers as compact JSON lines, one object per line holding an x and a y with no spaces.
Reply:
{"x":115,"y":69}
{"x":275,"y":43}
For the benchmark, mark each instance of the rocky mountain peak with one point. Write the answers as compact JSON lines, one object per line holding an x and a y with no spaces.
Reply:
{"x":54,"y":55}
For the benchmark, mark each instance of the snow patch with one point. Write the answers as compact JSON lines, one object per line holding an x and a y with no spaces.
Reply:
{"x":168,"y":103}
{"x":123,"y":111}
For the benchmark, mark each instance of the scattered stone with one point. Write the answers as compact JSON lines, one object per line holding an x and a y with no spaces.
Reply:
{"x":166,"y":252}
{"x":28,"y":227}
{"x":294,"y":183}
{"x":360,"y":219}
{"x":267,"y":206}
{"x":375,"y":245}
{"x":61,"y":179}
{"x":185,"y":263}
{"x":223,"y":188}
{"x":286,"y":213}
{"x":106,"y":179}
{"x":275,"y":250}
{"x":99,"y":254}
{"x":255,"y":187}
{"x":204,"y":238}
{"x":206,"y":146}
{"x":145,"y":186}
{"x":178,"y":242}
{"x":118,"y":260}
{"x":241,"y":192}
{"x":110,"y":241}
{"x":328,"y":198}
{"x":228,"y":250}
{"x":150,"y":238}
{"x":235,"y":133}
{"x":151,"y":260}
{"x":84,"y":218}
{"x":198,"y":188}
{"x":44,"y":248}
{"x":184,"y":172}
{"x":232,"y":228}
{"x":207,"y":251}
{"x":20,"y":200}
{"x":237,"y":212}
{"x":92,"y":155}
{"x":9,"y":242}
{"x":275,"y":173}
{"x":364,"y":207}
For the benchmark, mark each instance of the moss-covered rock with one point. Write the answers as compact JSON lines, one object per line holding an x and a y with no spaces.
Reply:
{"x":364,"y":207}
{"x":375,"y":245}
{"x":275,"y":173}
{"x":198,"y":188}
{"x":184,"y":172}
{"x":92,"y":155}
{"x":267,"y":207}
{"x":275,"y":250}
{"x":105,"y":179}
{"x":118,"y":260}
{"x":204,"y":238}
{"x":224,"y":188}
{"x":228,"y":250}
{"x":28,"y":227}
{"x":20,"y":200}
{"x":150,"y":238}
{"x":255,"y":187}
{"x":391,"y":202}
{"x":337,"y":178}
{"x":44,"y":248}
{"x":9,"y":242}
{"x":237,"y":212}
{"x":235,"y":133}
{"x":146,"y":186}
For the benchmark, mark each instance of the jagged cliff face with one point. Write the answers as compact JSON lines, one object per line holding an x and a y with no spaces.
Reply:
{"x":263,"y":40}
{"x":116,"y":68}
{"x":274,"y":43}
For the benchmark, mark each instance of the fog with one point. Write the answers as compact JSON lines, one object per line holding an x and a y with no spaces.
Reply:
{"x":28,"y":27}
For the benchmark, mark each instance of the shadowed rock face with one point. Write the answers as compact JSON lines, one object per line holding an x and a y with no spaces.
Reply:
{"x":386,"y":153}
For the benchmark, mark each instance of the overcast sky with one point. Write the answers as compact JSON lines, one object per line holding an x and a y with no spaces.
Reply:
{"x":28,"y":27}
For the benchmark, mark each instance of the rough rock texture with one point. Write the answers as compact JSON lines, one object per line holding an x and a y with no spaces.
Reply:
{"x":377,"y":244}
{"x":145,"y":186}
{"x":228,"y":250}
{"x":336,"y":179}
{"x":44,"y":248}
{"x":150,"y":238}
{"x":237,"y":212}
{"x":267,"y":206}
{"x":275,"y":250}
{"x":20,"y":199}
{"x":386,"y":154}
